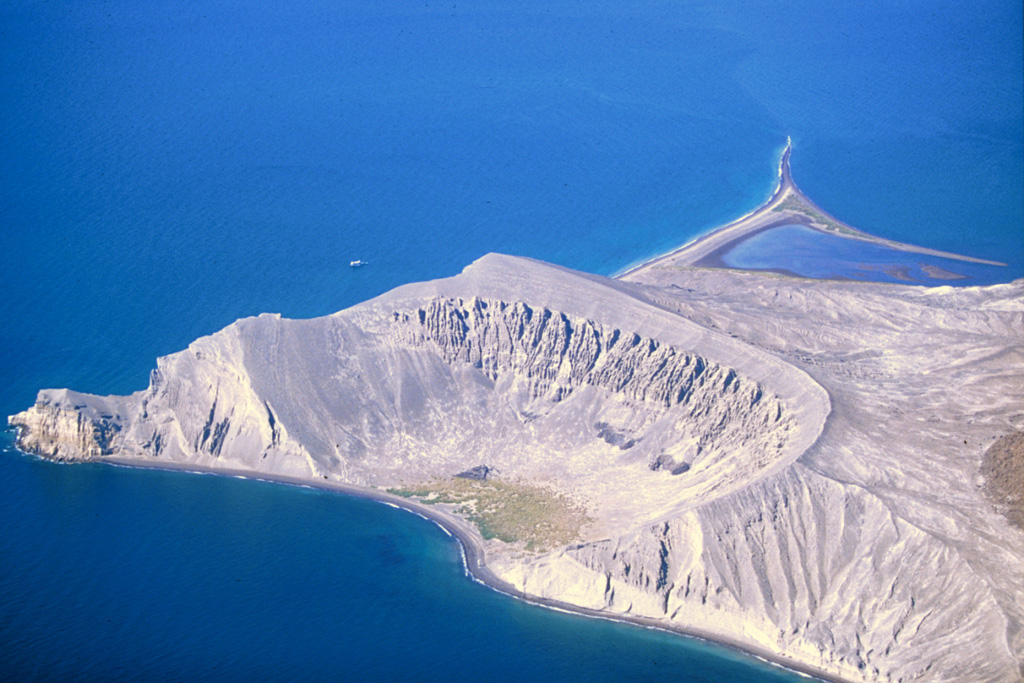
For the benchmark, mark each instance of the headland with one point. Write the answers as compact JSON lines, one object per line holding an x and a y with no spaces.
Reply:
{"x":787,"y":467}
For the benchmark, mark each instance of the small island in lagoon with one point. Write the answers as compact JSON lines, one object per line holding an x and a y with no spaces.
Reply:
{"x":785,"y":465}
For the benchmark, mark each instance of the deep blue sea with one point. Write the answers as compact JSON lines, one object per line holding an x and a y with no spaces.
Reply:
{"x":168,"y":167}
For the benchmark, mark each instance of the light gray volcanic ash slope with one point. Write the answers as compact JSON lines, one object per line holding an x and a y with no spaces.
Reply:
{"x":688,"y":414}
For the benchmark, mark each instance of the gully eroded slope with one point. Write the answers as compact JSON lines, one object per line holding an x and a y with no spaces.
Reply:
{"x":634,"y":412}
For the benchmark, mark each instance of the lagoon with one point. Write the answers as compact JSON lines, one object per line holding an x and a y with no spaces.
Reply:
{"x":806,"y":252}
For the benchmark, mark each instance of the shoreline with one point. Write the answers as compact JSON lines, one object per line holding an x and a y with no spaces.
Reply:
{"x":473,"y":555}
{"x":707,"y":248}
{"x":773,"y":198}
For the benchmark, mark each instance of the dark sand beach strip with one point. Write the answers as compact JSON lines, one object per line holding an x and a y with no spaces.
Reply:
{"x":472,"y":544}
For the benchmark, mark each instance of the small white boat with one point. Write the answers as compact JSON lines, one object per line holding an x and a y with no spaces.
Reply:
{"x":357,"y":263}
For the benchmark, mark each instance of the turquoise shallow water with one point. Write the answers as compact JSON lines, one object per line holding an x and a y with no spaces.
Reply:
{"x":168,"y":168}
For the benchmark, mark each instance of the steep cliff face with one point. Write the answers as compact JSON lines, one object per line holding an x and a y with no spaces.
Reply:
{"x":65,"y":426}
{"x":200,"y":408}
{"x":635,"y":427}
{"x":539,"y":358}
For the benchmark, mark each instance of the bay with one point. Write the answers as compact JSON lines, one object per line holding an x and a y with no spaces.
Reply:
{"x":147,"y":575}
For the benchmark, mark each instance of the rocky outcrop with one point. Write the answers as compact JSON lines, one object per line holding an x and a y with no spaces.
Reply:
{"x":1003,"y":470}
{"x":66,"y":426}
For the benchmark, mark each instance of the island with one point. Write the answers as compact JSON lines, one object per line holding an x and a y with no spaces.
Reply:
{"x":823,"y":473}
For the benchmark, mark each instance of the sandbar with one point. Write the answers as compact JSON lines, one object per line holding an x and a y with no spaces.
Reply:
{"x":788,"y":205}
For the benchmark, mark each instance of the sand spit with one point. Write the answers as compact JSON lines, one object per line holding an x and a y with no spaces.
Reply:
{"x":786,"y":206}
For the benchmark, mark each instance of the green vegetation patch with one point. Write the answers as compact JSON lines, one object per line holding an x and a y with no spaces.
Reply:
{"x":798,"y":205}
{"x":1003,"y":469}
{"x":508,"y":511}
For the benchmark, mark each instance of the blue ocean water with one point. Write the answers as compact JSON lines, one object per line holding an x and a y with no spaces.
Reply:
{"x":170,"y":167}
{"x":809,"y":253}
{"x":154,"y":576}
